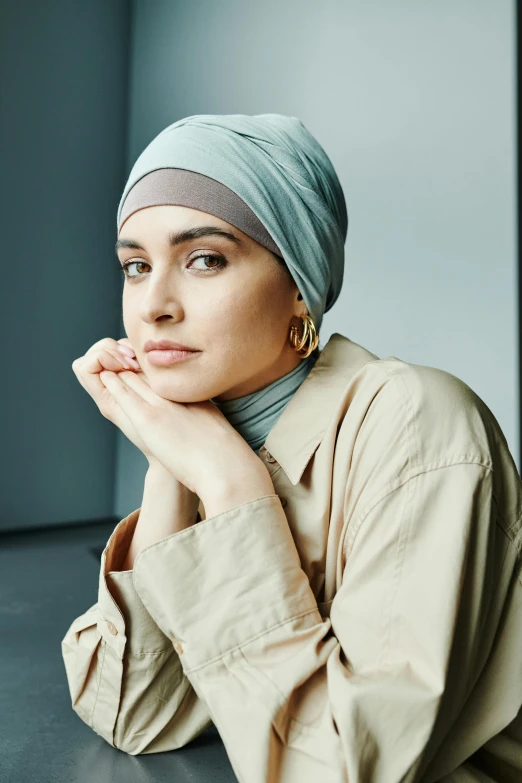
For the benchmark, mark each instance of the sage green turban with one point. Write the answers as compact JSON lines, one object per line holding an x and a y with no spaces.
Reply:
{"x":282,"y":173}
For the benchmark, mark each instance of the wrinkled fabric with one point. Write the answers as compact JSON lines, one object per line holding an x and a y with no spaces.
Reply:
{"x":361,"y":624}
{"x":282,"y":173}
{"x":196,"y":191}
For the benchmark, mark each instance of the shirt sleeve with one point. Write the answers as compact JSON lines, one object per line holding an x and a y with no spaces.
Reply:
{"x":366,"y":694}
{"x":125,"y":679}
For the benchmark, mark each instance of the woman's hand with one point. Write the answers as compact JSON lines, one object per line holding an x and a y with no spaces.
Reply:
{"x":116,"y":356}
{"x":193,"y":441}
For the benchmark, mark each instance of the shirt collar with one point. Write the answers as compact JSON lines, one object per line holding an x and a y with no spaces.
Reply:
{"x":299,"y":430}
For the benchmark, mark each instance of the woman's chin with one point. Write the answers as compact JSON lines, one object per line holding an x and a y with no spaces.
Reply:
{"x":166,"y":391}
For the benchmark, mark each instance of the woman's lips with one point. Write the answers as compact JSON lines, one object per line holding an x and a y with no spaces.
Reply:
{"x":165,"y":358}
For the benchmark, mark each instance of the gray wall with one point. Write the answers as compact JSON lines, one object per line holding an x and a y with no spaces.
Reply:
{"x":415,"y":105}
{"x":63,"y":109}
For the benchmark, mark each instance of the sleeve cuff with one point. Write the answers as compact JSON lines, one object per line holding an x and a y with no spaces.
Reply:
{"x":220,"y":583}
{"x":143,"y":635}
{"x":123,"y":618}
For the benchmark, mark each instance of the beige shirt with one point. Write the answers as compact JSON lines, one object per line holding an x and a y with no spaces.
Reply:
{"x":363,"y":624}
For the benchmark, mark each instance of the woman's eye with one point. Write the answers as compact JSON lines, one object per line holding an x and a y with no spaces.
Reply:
{"x":126,"y":264}
{"x":216,"y":263}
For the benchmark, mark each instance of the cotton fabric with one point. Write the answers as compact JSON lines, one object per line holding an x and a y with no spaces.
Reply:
{"x":189,"y":189}
{"x":362,"y":623}
{"x":282,"y":173}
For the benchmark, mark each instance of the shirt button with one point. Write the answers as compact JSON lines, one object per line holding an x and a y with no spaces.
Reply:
{"x":269,"y":457}
{"x":177,"y":646}
{"x":112,"y":628}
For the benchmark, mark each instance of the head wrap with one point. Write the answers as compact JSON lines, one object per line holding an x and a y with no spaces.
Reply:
{"x":283,"y":176}
{"x":188,"y":189}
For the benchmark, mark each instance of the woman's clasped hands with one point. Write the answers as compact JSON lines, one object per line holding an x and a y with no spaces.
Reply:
{"x":192,"y":441}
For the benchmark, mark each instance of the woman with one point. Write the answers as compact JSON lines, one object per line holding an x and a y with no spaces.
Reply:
{"x":326,"y":561}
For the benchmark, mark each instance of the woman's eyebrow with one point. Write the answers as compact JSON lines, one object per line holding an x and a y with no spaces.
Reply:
{"x":178,"y":237}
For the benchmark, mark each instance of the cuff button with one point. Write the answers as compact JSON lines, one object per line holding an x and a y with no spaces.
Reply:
{"x":177,"y":646}
{"x":112,"y":628}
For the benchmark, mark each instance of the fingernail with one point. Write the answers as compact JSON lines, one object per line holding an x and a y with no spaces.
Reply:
{"x":126,"y":349}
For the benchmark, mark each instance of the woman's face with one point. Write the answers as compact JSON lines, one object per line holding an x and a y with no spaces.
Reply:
{"x":236,"y":306}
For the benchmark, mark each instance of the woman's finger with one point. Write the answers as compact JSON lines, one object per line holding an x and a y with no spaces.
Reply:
{"x":110,"y":406}
{"x":100,"y":345}
{"x":128,"y":361}
{"x":133,"y":364}
{"x":105,"y":356}
{"x":131,"y":382}
{"x":88,"y":367}
{"x":124,"y":345}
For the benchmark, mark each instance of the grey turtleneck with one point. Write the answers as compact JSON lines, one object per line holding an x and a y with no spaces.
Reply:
{"x":254,"y":415}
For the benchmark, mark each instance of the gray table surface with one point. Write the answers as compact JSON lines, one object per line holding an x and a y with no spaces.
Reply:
{"x":47,"y":578}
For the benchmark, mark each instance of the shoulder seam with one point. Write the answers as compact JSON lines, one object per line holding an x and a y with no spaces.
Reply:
{"x":397,"y":483}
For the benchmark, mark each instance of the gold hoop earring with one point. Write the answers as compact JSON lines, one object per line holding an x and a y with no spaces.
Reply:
{"x":309,"y":335}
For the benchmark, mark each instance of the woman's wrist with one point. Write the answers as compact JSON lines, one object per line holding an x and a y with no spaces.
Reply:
{"x":167,"y":507}
{"x":158,"y":469}
{"x":224,"y":492}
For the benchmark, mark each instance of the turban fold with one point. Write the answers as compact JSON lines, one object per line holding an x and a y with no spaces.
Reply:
{"x":282,"y":173}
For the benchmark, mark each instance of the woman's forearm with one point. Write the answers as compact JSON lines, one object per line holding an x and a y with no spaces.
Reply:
{"x":167,"y":506}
